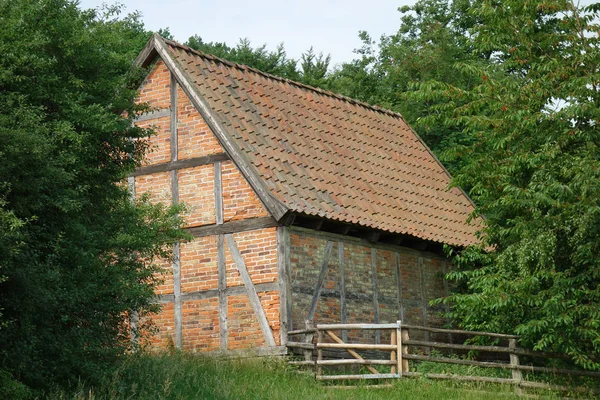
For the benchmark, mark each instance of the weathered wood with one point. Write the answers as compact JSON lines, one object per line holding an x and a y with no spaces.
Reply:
{"x":230,"y":291}
{"x":307,"y":363}
{"x":177,"y":297}
{"x":557,"y":371}
{"x":180,"y":164}
{"x":232,"y":227}
{"x":446,"y":305}
{"x":165,"y":112}
{"x":423,"y":300}
{"x":335,"y":237}
{"x":321,"y":279}
{"x":459,"y":332}
{"x":439,"y":345}
{"x":357,"y":362}
{"x":400,"y":295}
{"x":459,"y":377}
{"x":249,"y":353}
{"x":350,"y":351}
{"x":356,"y":326}
{"x":393,"y":354}
{"x":131,"y":188}
{"x":282,"y":280}
{"x":375,"y":295}
{"x":302,"y":331}
{"x":308,"y":338}
{"x":134,"y":320}
{"x":319,"y":353}
{"x":403,"y":338}
{"x":252,"y":295}
{"x":222,"y":284}
{"x":148,"y":53}
{"x":301,"y":345}
{"x":355,"y":377}
{"x":288,"y":278}
{"x":274,"y":206}
{"x":343,"y":310}
{"x":514,"y":362}
{"x":357,"y":346}
{"x":457,"y":361}
{"x":218,"y":190}
{"x":173,"y":122}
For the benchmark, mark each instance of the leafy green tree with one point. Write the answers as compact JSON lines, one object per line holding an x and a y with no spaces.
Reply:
{"x":75,"y":252}
{"x":534,"y":171}
{"x":432,"y":37}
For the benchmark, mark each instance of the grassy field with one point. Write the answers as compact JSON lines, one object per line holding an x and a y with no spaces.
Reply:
{"x":181,"y":376}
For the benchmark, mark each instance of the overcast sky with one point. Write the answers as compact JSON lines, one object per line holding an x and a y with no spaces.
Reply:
{"x":330,"y":26}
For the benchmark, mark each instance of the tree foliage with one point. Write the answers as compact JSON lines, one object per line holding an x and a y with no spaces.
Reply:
{"x":534,"y":172}
{"x":75,"y":252}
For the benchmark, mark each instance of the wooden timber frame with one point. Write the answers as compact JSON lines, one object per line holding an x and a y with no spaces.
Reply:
{"x":404,"y":352}
{"x":279,"y":217}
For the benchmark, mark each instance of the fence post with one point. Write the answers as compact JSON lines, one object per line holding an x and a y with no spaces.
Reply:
{"x":393,"y":353}
{"x":517,"y":375}
{"x":319,"y":351}
{"x":402,"y":337}
{"x":308,"y":338}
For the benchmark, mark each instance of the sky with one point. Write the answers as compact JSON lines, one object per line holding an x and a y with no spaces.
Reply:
{"x":329,"y":26}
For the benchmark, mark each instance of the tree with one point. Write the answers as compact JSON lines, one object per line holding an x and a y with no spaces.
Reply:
{"x":534,"y":171}
{"x":75,"y":252}
{"x":433,"y":35}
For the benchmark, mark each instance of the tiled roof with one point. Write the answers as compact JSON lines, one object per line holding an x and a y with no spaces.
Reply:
{"x":327,"y":155}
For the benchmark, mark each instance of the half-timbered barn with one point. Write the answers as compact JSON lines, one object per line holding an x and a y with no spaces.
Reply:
{"x":303,"y":205}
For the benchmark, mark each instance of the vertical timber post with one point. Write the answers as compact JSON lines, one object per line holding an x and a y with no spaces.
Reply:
{"x":221,"y":272}
{"x":375,"y":295}
{"x":403,"y":338}
{"x":342,"y":290}
{"x":175,"y":199}
{"x":397,"y":336}
{"x":319,"y":351}
{"x":399,"y":287}
{"x":394,"y":353}
{"x":283,"y":270}
{"x":308,"y":338}
{"x":134,"y":316}
{"x":423,"y":300}
{"x":517,"y":375}
{"x":446,"y":294}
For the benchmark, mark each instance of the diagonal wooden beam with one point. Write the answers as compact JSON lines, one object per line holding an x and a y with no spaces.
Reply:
{"x":252,"y":295}
{"x":319,"y":287}
{"x":352,"y":352}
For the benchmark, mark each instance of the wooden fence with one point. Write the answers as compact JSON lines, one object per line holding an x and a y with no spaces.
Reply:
{"x":402,"y":348}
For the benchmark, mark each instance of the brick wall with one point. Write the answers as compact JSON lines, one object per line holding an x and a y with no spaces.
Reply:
{"x":370,"y":282}
{"x":198,"y":297}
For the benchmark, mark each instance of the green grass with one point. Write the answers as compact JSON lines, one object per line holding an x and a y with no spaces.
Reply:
{"x":185,"y":376}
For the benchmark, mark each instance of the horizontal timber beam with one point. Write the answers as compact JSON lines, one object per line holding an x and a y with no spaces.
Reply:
{"x":232,"y":227}
{"x":165,"y":112}
{"x":181,"y":164}
{"x":214,"y":293}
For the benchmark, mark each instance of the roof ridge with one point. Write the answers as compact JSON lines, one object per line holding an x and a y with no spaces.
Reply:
{"x":286,"y":80}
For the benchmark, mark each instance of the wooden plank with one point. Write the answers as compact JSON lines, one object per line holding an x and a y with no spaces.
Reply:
{"x":321,"y":279}
{"x":423,"y":301}
{"x":177,"y":297}
{"x":282,"y":279}
{"x":357,"y":346}
{"x":134,"y":320}
{"x":249,"y":353}
{"x":447,"y":306}
{"x":400,"y":296}
{"x":239,"y":158}
{"x":300,"y":345}
{"x":343,"y":310}
{"x":514,"y":362}
{"x":131,"y":188}
{"x":302,"y":331}
{"x":252,"y":295}
{"x":403,"y":353}
{"x":356,"y":362}
{"x":458,"y":377}
{"x":350,"y":351}
{"x":230,"y":291}
{"x":359,"y":241}
{"x":288,"y":277}
{"x":356,"y":326}
{"x":156,"y":114}
{"x":218,"y":189}
{"x":308,"y":338}
{"x":375,"y":294}
{"x":233,"y":227}
{"x":438,"y":345}
{"x":457,"y":361}
{"x":173,"y":124}
{"x":394,"y":354}
{"x":459,"y":332}
{"x":148,"y":53}
{"x":222,"y":284}
{"x":180,"y":164}
{"x":320,"y":338}
{"x":356,"y":377}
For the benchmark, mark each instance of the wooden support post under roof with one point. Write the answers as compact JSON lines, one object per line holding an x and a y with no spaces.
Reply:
{"x":319,"y":286}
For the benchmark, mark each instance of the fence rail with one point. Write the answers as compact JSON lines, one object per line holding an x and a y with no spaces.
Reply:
{"x":399,"y":355}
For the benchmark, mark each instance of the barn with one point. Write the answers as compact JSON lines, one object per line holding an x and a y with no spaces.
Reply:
{"x":303,"y":205}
